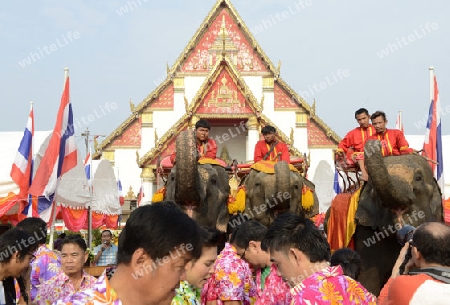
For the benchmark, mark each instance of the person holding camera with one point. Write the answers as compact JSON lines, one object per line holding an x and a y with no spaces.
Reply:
{"x":426,"y":277}
{"x":105,"y":254}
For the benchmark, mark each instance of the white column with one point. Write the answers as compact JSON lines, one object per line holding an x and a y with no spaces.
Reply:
{"x":148,"y":184}
{"x":252,"y":138}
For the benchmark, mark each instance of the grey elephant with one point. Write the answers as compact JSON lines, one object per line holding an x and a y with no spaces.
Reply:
{"x":201,"y":190}
{"x":401,"y":191}
{"x":269,"y":194}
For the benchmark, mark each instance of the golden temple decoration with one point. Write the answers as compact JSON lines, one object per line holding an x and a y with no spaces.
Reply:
{"x":148,"y":175}
{"x":261,"y":105}
{"x":147,"y":119}
{"x":194,"y":120}
{"x":132,"y":107}
{"x":95,"y":144}
{"x":225,"y":155}
{"x":252,"y":123}
{"x":130,"y":194}
{"x":109,"y":155}
{"x":278,"y":68}
{"x":137,"y":157}
{"x":186,"y":104}
{"x":156,"y":137}
{"x":268,"y":83}
{"x":313,"y":108}
{"x":226,"y":97}
{"x":291,"y":136}
{"x":167,"y":68}
{"x":301,"y":119}
{"x":178,"y":82}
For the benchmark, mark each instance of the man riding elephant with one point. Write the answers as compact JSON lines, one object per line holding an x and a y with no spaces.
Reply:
{"x":270,"y":148}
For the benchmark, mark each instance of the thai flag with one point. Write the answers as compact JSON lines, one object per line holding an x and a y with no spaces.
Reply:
{"x":432,"y":146}
{"x":140,"y":196}
{"x":60,"y":156}
{"x":87,"y":168}
{"x":336,"y":185}
{"x":22,"y":168}
{"x":119,"y":187}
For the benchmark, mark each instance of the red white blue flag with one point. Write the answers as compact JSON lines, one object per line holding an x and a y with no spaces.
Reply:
{"x":119,"y":187}
{"x":87,"y":168}
{"x":22,"y":168}
{"x":336,"y":185}
{"x":432,"y":146}
{"x":60,"y":156}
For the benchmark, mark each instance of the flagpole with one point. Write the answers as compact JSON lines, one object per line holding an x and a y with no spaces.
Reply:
{"x":54,"y":204}
{"x":431,"y":82}
{"x":30,"y":198}
{"x":91,"y":179}
{"x":400,"y":120}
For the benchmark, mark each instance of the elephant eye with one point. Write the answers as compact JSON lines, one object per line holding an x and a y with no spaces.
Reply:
{"x":419,"y":178}
{"x":258,"y":184}
{"x":296,"y":186}
{"x":213,"y":181}
{"x":172,"y":178}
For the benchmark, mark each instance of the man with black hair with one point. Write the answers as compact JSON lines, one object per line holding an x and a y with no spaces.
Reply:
{"x":231,"y":282}
{"x":393,"y":141}
{"x":206,"y":146}
{"x":106,"y":252}
{"x":270,"y":286}
{"x":426,"y":279}
{"x":47,"y":263}
{"x":72,"y":277}
{"x":301,"y":254}
{"x":198,"y":271}
{"x":16,"y":253}
{"x":154,"y":247}
{"x":270,"y":148}
{"x":352,"y":145}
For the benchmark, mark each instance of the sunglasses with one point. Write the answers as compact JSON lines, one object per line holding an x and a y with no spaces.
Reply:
{"x":242,"y":256}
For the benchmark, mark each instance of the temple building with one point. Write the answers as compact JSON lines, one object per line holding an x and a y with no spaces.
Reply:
{"x":224,"y":76}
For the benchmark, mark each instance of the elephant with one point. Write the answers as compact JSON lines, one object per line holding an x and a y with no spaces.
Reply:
{"x":401,"y":191}
{"x":201,"y":190}
{"x":270,"y":194}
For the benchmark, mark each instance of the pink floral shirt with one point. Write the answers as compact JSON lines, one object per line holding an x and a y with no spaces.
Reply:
{"x":276,"y":291}
{"x":46,"y":265}
{"x":232,"y":280}
{"x":59,"y":287}
{"x":331,"y":286}
{"x":100,"y":293}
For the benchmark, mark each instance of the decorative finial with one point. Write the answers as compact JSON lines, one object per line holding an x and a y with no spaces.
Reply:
{"x":95,"y":143}
{"x":223,"y":32}
{"x":132,"y":107}
{"x":261,"y":105}
{"x":186,"y":104}
{"x":167,"y":68}
{"x":313,"y":108}
{"x":137,"y":157}
{"x":278,"y":68}
{"x":291,"y":136}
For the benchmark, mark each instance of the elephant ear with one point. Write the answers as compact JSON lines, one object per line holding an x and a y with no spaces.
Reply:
{"x":436,"y":207}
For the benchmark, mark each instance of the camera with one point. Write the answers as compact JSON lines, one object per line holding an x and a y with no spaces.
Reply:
{"x":404,"y":235}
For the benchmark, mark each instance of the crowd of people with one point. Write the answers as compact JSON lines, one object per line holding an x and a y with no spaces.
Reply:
{"x":164,"y":257}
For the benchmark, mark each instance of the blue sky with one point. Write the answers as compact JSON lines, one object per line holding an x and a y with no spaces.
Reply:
{"x":114,"y":56}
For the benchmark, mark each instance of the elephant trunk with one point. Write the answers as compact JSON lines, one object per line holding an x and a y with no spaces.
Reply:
{"x":282,"y":186}
{"x":393,"y":193}
{"x":186,"y":188}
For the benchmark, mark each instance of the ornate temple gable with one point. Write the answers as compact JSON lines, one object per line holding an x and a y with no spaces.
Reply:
{"x":164,"y":101}
{"x":224,"y":94}
{"x":223,"y":29}
{"x":130,"y":137}
{"x":284,"y":101}
{"x":318,"y":137}
{"x":164,"y":89}
{"x":297,"y":99}
{"x":166,"y":145}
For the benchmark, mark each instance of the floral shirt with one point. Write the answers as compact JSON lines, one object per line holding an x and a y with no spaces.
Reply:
{"x":100,"y":293}
{"x":186,"y":295}
{"x":331,"y":286}
{"x":59,"y":287}
{"x":275,"y":292}
{"x":46,"y":265}
{"x":231,"y":281}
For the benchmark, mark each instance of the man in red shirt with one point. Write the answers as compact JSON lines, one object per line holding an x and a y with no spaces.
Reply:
{"x":206,"y":147}
{"x":352,"y":145}
{"x":393,"y":142}
{"x":270,"y":148}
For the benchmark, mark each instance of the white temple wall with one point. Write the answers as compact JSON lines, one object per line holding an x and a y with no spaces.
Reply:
{"x":321,"y":173}
{"x":234,"y":138}
{"x":191,"y":86}
{"x":255,"y":85}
